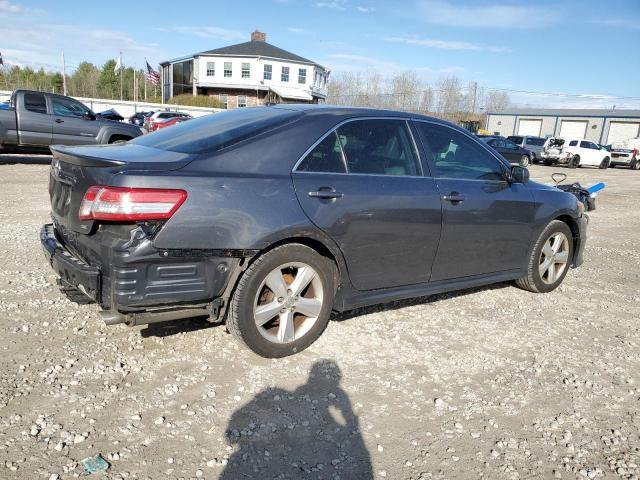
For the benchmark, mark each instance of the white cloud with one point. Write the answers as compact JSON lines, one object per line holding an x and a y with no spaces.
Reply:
{"x":210,"y":32}
{"x":6,"y":8}
{"x":362,"y":9}
{"x":333,"y":5}
{"x":631,"y":23}
{"x":446,"y":44}
{"x":442,"y":12}
{"x":296,"y":30}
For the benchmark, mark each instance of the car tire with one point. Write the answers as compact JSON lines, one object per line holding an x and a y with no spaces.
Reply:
{"x":253,"y":297}
{"x":540,"y":279}
{"x":604,"y":164}
{"x":547,"y":163}
{"x":574,"y":161}
{"x":524,"y":161}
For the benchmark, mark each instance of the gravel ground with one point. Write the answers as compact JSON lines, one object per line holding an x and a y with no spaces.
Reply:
{"x":492,"y":382}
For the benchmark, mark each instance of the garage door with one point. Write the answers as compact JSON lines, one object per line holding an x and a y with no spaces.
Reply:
{"x":529,"y":127}
{"x":573,"y":128}
{"x":622,"y":131}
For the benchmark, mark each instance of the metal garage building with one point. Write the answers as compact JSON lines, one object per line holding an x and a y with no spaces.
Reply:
{"x":600,"y":126}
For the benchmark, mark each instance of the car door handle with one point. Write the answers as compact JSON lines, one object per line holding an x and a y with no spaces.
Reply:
{"x":326,"y":193}
{"x":454,"y":197}
{"x":59,"y":120}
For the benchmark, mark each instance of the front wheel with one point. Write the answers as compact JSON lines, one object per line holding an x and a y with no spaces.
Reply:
{"x":283,"y":301}
{"x":524,"y":161}
{"x":550,"y":259}
{"x":574,"y":161}
{"x":604,"y":164}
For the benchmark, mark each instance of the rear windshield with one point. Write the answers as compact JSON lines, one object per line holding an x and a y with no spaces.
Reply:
{"x":217,"y":131}
{"x":537,"y":142}
{"x":517,"y":140}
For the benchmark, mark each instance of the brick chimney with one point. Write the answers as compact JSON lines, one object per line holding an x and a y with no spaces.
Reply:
{"x":258,"y":36}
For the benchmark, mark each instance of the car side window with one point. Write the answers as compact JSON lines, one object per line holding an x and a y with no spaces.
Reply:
{"x":67,"y":108}
{"x":379,"y":147}
{"x":510,"y":144}
{"x":35,"y":102}
{"x":573,"y":143}
{"x":325,"y":157}
{"x":585,"y":145}
{"x":455,"y":155}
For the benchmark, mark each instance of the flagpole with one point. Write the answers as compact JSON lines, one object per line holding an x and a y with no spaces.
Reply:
{"x":145,"y":78}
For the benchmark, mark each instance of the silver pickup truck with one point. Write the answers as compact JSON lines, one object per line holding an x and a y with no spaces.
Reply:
{"x":38,"y":119}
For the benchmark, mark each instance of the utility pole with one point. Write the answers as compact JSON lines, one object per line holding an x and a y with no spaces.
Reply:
{"x":64,"y":75}
{"x":121,"y":77}
{"x":475,"y":93}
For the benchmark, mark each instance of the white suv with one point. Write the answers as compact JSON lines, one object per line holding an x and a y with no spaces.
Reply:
{"x":574,"y":153}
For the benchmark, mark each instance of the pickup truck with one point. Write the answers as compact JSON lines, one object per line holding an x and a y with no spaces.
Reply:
{"x":39,"y":119}
{"x":626,"y":153}
{"x":574,"y":153}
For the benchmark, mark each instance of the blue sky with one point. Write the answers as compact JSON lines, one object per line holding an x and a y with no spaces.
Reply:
{"x":571,"y":47}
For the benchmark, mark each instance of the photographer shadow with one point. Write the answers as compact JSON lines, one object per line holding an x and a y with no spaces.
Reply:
{"x":308,"y":432}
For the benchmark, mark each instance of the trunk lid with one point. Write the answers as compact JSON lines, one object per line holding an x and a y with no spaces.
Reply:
{"x":75,"y":169}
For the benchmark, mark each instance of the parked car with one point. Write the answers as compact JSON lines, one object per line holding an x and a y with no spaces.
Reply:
{"x":626,"y":153}
{"x":574,"y":153}
{"x":533,"y":144}
{"x":152,"y":122}
{"x":269,"y":218}
{"x":138,"y":118}
{"x":110,"y":114}
{"x":38,"y":119}
{"x":509,"y":150}
{"x":172,"y":121}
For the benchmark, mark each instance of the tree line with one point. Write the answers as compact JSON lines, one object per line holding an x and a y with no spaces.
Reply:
{"x":448,"y":97}
{"x":86,"y":81}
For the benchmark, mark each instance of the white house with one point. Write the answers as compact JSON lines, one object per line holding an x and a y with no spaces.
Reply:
{"x":246,"y":74}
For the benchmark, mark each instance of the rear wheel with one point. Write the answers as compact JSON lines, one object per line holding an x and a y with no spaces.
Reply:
{"x":282,"y":302}
{"x":604,"y":164}
{"x":550,"y":259}
{"x":524,"y":161}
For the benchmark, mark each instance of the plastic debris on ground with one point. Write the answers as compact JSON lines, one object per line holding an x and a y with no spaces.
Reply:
{"x":95,"y":464}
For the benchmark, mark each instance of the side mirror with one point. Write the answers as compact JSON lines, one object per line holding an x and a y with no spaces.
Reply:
{"x":519,"y":174}
{"x":89,"y":116}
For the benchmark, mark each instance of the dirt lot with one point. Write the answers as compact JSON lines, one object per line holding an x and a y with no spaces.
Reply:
{"x":492,"y":382}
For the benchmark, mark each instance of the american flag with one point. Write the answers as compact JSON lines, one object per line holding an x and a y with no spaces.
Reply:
{"x":152,"y":76}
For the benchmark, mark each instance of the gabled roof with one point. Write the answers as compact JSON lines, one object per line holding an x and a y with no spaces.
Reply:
{"x":257,"y":49}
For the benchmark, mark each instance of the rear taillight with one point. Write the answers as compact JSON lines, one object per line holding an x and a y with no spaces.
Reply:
{"x":130,"y":204}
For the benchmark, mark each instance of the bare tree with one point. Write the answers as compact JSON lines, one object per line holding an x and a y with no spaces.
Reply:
{"x":449,"y":95}
{"x":496,"y":101}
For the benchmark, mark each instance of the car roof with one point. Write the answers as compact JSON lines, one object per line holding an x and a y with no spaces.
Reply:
{"x":346,"y":111}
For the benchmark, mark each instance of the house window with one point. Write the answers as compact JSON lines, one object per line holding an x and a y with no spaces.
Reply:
{"x":246,"y":70}
{"x":224,"y":99}
{"x":211,"y":69}
{"x":242,"y":101}
{"x":285,"y":74}
{"x":302,"y":75}
{"x":227,"y":69}
{"x":267,"y":72}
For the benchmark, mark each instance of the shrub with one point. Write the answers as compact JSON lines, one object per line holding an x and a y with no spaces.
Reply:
{"x":196,"y":101}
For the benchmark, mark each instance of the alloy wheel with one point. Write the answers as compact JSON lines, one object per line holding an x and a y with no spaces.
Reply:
{"x":288,"y":302}
{"x":554,"y":258}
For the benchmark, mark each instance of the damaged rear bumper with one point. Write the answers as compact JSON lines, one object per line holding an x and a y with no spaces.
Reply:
{"x":131,"y":276}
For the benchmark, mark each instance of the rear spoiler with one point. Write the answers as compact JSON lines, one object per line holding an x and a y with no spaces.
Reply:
{"x":68,"y":155}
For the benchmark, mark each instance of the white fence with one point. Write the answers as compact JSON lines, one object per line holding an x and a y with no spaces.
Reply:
{"x":126,"y":109}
